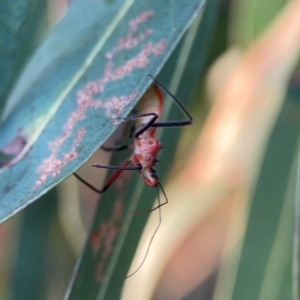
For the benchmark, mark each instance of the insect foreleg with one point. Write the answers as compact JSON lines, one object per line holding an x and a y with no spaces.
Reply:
{"x":182,"y":108}
{"x":145,"y":126}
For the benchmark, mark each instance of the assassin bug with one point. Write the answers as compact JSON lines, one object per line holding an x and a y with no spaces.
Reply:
{"x":146,"y":147}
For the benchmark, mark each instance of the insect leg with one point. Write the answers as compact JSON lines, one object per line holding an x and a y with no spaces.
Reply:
{"x":115,"y":148}
{"x":182,"y":108}
{"x":116,"y":174}
{"x":118,"y":148}
{"x":87,"y":184}
{"x":120,"y":168}
{"x":144,"y":127}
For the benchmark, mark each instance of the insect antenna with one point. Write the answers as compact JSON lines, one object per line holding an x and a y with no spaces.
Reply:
{"x":153,"y":235}
{"x":140,"y":212}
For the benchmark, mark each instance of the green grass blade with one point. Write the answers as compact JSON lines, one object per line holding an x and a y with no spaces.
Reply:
{"x":270,"y":224}
{"x":252,"y":17}
{"x":30,"y":272}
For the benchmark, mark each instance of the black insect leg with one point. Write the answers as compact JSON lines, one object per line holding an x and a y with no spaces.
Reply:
{"x":115,"y":148}
{"x":116,"y":174}
{"x":120,"y":168}
{"x":145,"y":126}
{"x":179,"y":104}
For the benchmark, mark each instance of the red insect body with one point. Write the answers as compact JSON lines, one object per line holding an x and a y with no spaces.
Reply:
{"x":146,"y":145}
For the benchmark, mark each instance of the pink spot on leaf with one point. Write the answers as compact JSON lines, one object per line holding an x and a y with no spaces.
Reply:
{"x":52,"y":164}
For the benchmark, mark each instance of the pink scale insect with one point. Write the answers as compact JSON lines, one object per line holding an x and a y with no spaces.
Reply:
{"x":146,"y":147}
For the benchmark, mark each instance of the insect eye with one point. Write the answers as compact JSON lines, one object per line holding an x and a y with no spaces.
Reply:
{"x":153,"y":173}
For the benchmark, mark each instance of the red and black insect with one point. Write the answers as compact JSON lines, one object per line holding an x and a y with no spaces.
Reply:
{"x":146,"y":147}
